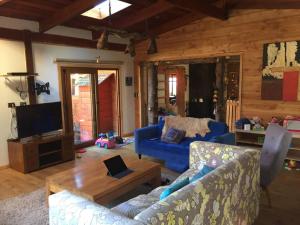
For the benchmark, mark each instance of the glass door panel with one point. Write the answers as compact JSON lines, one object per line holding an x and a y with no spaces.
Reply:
{"x":82,"y":107}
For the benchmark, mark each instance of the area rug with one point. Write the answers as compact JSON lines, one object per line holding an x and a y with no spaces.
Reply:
{"x":29,"y":209}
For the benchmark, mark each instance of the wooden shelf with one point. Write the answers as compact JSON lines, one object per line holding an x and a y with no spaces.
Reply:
{"x":50,"y":152}
{"x":51,"y":164}
{"x":250,"y":138}
{"x":21,"y":74}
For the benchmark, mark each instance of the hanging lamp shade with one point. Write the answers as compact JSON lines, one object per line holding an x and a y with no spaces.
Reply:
{"x":152,"y":47}
{"x":103,"y":40}
{"x":130,"y":48}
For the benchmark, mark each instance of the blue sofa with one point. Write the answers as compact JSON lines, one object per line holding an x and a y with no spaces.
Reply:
{"x":176,"y":156}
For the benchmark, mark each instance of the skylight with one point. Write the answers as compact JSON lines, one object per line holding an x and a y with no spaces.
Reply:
{"x":102,"y":10}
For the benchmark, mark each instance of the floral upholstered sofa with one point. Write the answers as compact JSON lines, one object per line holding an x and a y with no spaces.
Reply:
{"x":229,"y":195}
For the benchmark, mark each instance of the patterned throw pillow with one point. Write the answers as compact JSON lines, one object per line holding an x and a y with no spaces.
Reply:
{"x":173,"y":136}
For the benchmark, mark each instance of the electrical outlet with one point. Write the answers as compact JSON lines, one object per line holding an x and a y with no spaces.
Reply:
{"x":11,"y":105}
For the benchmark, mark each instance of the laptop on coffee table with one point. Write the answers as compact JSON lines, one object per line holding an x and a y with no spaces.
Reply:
{"x":117,"y":167}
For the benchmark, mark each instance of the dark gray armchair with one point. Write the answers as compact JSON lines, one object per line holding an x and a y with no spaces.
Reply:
{"x":275,"y":148}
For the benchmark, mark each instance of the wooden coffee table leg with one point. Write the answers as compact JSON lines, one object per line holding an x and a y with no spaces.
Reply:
{"x":156,"y":182}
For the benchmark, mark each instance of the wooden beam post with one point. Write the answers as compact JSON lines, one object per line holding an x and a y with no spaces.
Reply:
{"x":17,"y":35}
{"x":29,"y":66}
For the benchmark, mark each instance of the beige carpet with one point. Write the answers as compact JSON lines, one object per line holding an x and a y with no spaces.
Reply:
{"x":30,"y":209}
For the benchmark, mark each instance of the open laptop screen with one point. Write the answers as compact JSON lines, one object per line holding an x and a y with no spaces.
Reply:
{"x":115,"y":165}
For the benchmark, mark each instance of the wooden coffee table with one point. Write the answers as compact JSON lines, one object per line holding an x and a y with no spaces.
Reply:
{"x":90,"y":179}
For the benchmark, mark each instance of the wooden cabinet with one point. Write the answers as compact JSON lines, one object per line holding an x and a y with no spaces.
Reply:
{"x":38,"y":153}
{"x":256,"y":138}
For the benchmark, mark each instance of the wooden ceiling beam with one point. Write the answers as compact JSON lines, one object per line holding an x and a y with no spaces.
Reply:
{"x":139,"y":16}
{"x":63,"y":15}
{"x":143,"y":14}
{"x":3,"y":2}
{"x":202,"y":7}
{"x":18,"y":35}
{"x":265,"y":4}
{"x":176,"y":23}
{"x":46,"y":5}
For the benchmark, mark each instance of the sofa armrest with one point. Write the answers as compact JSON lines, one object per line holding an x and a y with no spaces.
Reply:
{"x":149,"y":132}
{"x":212,"y":154}
{"x":66,"y":208}
{"x":228,"y":139}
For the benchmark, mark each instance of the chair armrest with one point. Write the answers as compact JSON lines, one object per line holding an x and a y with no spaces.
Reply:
{"x":228,"y":139}
{"x":212,"y":154}
{"x":152,"y":131}
{"x":66,"y":208}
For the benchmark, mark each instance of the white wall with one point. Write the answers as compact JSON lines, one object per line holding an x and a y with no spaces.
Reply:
{"x":12,"y":59}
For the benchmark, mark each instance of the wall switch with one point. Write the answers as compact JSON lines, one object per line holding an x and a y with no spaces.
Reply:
{"x":11,"y":105}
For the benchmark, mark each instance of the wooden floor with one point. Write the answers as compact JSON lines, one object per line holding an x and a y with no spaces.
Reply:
{"x":285,"y":191}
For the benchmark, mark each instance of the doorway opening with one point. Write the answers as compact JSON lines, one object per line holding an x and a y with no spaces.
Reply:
{"x":108,"y":112}
{"x":93,"y":94}
{"x":200,"y":88}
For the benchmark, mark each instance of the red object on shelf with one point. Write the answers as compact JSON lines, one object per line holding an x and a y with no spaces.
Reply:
{"x":290,"y":85}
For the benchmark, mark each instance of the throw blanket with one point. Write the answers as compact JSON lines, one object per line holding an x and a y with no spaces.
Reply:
{"x":192,"y":126}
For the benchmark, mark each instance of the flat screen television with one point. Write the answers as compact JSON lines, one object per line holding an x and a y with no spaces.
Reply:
{"x":38,"y":119}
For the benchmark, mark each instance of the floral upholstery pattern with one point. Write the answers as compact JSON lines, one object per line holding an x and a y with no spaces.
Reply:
{"x":68,"y":209}
{"x":229,"y":195}
{"x":135,"y":205}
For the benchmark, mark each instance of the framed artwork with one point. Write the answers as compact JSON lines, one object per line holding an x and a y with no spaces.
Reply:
{"x":280,"y":73}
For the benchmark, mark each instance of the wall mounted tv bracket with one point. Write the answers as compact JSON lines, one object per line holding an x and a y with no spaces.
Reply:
{"x":42,"y":88}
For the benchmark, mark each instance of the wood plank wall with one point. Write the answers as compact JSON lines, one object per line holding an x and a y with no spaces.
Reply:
{"x":244,"y":33}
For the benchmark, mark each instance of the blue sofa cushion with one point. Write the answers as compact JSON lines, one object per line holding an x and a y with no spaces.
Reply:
{"x":205,"y":170}
{"x":174,"y":187}
{"x":173,"y":136}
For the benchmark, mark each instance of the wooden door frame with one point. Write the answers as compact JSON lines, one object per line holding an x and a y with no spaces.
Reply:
{"x":179,"y":71}
{"x":65,"y":90}
{"x":139,"y":100}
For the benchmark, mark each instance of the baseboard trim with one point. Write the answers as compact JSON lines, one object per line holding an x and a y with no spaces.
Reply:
{"x":128,"y":134}
{"x":4,"y":167}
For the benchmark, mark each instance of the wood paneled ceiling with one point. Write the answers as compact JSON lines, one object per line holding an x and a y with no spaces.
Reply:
{"x":161,"y":15}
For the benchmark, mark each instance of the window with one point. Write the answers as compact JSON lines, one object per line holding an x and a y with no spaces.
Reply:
{"x":101,"y":11}
{"x":172,"y":88}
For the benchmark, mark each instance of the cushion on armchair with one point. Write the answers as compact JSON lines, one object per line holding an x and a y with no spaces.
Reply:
{"x":174,"y":187}
{"x":205,"y":170}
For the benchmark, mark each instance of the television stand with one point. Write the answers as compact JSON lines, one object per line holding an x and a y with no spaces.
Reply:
{"x":37,"y":153}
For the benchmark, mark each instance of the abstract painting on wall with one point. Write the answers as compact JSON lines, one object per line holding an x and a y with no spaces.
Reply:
{"x":280,"y":75}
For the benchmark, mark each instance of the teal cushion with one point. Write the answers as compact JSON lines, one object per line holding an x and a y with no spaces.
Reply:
{"x":205,"y":170}
{"x":174,"y":187}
